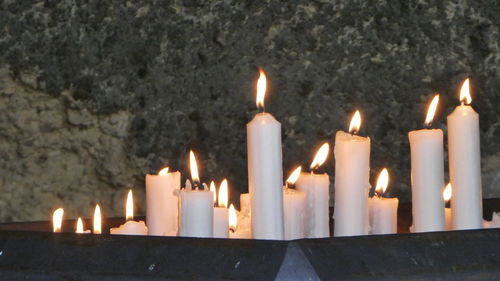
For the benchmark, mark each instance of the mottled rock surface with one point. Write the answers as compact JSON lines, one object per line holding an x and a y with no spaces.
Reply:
{"x":94,"y":94}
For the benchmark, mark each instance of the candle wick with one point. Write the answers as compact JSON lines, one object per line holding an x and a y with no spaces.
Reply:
{"x":462,"y":103}
{"x":428,"y":125}
{"x":262,"y":109}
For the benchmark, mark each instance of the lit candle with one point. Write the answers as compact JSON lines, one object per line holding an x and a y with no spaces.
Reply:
{"x":130,"y":227}
{"x":162,"y":202}
{"x":427,"y":175}
{"x":235,"y":230}
{"x":265,"y":171}
{"x":97,"y":220}
{"x":57,"y":219}
{"x":383,"y":211}
{"x":352,"y":172}
{"x":221,"y":215}
{"x":447,"y":210}
{"x":196,"y":214}
{"x":79,"y":227}
{"x":465,"y":163}
{"x":294,"y":208}
{"x":317,"y":189}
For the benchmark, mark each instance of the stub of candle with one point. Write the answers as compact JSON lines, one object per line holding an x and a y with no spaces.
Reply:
{"x":383,"y":215}
{"x":196,"y":213}
{"x":294,"y":205}
{"x":316,"y":188}
{"x":130,"y":228}
{"x":221,"y":222}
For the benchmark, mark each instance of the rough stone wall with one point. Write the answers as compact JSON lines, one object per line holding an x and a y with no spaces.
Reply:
{"x":94,"y":94}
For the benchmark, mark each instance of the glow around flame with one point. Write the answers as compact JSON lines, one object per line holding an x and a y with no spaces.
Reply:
{"x":57,"y":219}
{"x":223,"y":194}
{"x":129,"y":209}
{"x":163,"y":172}
{"x":79,"y":225}
{"x":97,"y":220}
{"x":355,"y":123}
{"x":431,"y":110}
{"x":212,"y":188}
{"x":321,"y":156}
{"x":294,"y":176}
{"x":194,"y":167}
{"x":233,"y":218}
{"x":447,"y":193}
{"x":465,"y":92}
{"x":382,"y":181}
{"x":261,"y":89}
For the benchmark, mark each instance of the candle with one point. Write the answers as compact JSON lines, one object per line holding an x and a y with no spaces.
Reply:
{"x":245,"y":205}
{"x":79,"y":227}
{"x":447,"y":211}
{"x":317,"y":189}
{"x":427,"y":175}
{"x":130,"y":227}
{"x":465,"y":163}
{"x":352,"y":168}
{"x":57,"y":219}
{"x":162,"y":202}
{"x":294,"y":208}
{"x":97,"y":219}
{"x":221,"y":215}
{"x":265,"y":171}
{"x":383,"y":211}
{"x":235,"y":229}
{"x":196,"y":212}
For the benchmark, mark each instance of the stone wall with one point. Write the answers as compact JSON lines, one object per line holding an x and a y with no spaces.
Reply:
{"x":94,"y":94}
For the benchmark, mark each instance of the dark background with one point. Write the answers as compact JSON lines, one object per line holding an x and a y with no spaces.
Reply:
{"x":94,"y":94}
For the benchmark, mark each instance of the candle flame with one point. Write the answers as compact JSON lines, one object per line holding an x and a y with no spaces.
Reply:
{"x":194,"y":167}
{"x":294,"y":176}
{"x":233,"y":218}
{"x":97,"y":220}
{"x":447,"y":193}
{"x":212,"y":188}
{"x":355,"y":123}
{"x":465,"y":92}
{"x":431,"y":110}
{"x":223,"y":194}
{"x":321,"y":156}
{"x":163,"y":172}
{"x":79,"y":225}
{"x":129,"y":210}
{"x":382,"y":182}
{"x":261,"y":88}
{"x":57,"y":219}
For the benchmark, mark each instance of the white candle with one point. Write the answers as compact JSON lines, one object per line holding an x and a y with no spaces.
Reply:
{"x":57,"y":219}
{"x":79,"y":227}
{"x":130,"y":227}
{"x":352,"y":172}
{"x":221,"y":214}
{"x":265,"y":172}
{"x":162,"y":202}
{"x":294,"y":209}
{"x":465,"y":163}
{"x":196,"y":215}
{"x":245,"y":204}
{"x":427,"y":175}
{"x":383,"y":211}
{"x":448,"y":225}
{"x":317,"y":190}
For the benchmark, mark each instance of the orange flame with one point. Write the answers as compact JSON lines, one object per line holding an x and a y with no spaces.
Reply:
{"x":129,"y":210}
{"x":97,"y":220}
{"x":194,"y":167}
{"x":431,"y":110}
{"x":57,"y":219}
{"x":382,"y":182}
{"x":163,"y":172}
{"x":79,"y":225}
{"x":355,"y":123}
{"x":294,"y":176}
{"x":465,"y":92}
{"x":447,"y":193}
{"x":321,"y":156}
{"x":261,"y":89}
{"x":212,"y":188}
{"x":223,"y":194}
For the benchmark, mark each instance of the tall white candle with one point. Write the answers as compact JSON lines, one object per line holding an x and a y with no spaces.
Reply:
{"x":317,"y":190}
{"x":162,"y":202}
{"x":465,"y":163}
{"x":221,"y":214}
{"x":294,"y":208}
{"x":265,"y":171}
{"x":196,"y":214}
{"x":427,"y":175}
{"x":130,"y":227}
{"x":352,"y":172}
{"x":383,"y":211}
